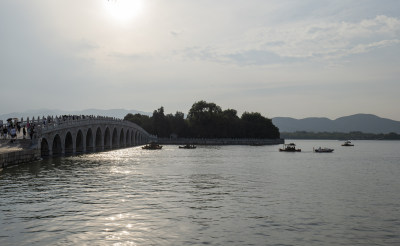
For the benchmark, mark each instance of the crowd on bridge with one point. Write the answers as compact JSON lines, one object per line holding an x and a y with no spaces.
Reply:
{"x":14,"y":129}
{"x":82,"y":117}
{"x":66,"y":118}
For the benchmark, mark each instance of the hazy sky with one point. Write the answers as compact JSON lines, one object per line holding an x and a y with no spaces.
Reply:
{"x":280,"y":58}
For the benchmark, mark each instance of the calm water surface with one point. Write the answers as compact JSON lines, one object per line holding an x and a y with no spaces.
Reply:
{"x":215,"y":195}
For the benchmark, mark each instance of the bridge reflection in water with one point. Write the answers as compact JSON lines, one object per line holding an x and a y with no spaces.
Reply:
{"x":57,"y":136}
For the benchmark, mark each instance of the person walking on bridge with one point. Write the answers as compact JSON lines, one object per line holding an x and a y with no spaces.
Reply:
{"x":13,"y":133}
{"x":5,"y":131}
{"x":31,"y":131}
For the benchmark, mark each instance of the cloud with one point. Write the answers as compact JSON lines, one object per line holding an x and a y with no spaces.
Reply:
{"x":130,"y":56}
{"x":363,"y":48}
{"x":326,"y":40}
{"x":258,"y":57}
{"x":303,"y":40}
{"x":84,"y":45}
{"x":200,"y":53}
{"x":176,"y":33}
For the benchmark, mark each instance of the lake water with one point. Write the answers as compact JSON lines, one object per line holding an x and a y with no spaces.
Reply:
{"x":212,"y":195}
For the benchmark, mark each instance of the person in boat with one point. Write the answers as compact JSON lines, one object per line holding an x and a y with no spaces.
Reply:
{"x":188,"y":146}
{"x":290,"y":148}
{"x":152,"y":145}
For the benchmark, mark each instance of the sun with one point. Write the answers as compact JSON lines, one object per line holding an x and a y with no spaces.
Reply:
{"x":123,"y":10}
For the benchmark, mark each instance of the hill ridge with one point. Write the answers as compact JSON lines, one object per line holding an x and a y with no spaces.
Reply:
{"x":367,"y":123}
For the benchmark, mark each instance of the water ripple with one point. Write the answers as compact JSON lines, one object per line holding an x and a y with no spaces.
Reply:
{"x":225,"y":195}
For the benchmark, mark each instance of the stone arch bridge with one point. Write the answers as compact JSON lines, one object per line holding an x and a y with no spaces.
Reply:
{"x":70,"y":135}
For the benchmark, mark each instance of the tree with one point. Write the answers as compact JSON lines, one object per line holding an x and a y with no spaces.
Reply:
{"x":161,"y":125}
{"x":257,"y":126}
{"x":178,"y":124}
{"x":202,"y":119}
{"x":141,"y":120}
{"x":229,"y":124}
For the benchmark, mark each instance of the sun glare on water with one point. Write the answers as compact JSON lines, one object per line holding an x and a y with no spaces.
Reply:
{"x":123,"y":10}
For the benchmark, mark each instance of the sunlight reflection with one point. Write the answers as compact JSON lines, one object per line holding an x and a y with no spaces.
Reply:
{"x":117,"y":157}
{"x":112,"y":237}
{"x":110,"y":218}
{"x":117,"y":170}
{"x":124,"y":243}
{"x":122,"y":228}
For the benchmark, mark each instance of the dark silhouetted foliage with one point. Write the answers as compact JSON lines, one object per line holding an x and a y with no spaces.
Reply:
{"x":257,"y":126}
{"x":206,"y":120}
{"x":143,"y":121}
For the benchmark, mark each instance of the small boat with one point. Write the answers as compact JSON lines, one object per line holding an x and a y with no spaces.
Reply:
{"x":347,"y":143}
{"x":256,"y":144}
{"x":152,"y":146}
{"x":188,"y":146}
{"x":290,"y":148}
{"x":323,"y":150}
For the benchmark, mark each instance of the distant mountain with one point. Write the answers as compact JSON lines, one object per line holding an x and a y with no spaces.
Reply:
{"x":366,"y":123}
{"x":117,"y":113}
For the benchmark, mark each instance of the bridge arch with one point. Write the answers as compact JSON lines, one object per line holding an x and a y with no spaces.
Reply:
{"x":44,"y":148}
{"x":99,"y":140}
{"x":69,"y":144}
{"x":89,"y":141}
{"x":79,"y":142}
{"x":121,"y":138}
{"x":137,"y":138}
{"x":56,"y":146}
{"x":107,"y":139}
{"x":127,"y":140}
{"x":114,"y":143}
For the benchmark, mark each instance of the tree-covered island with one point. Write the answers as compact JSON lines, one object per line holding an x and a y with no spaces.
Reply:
{"x":206,"y":120}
